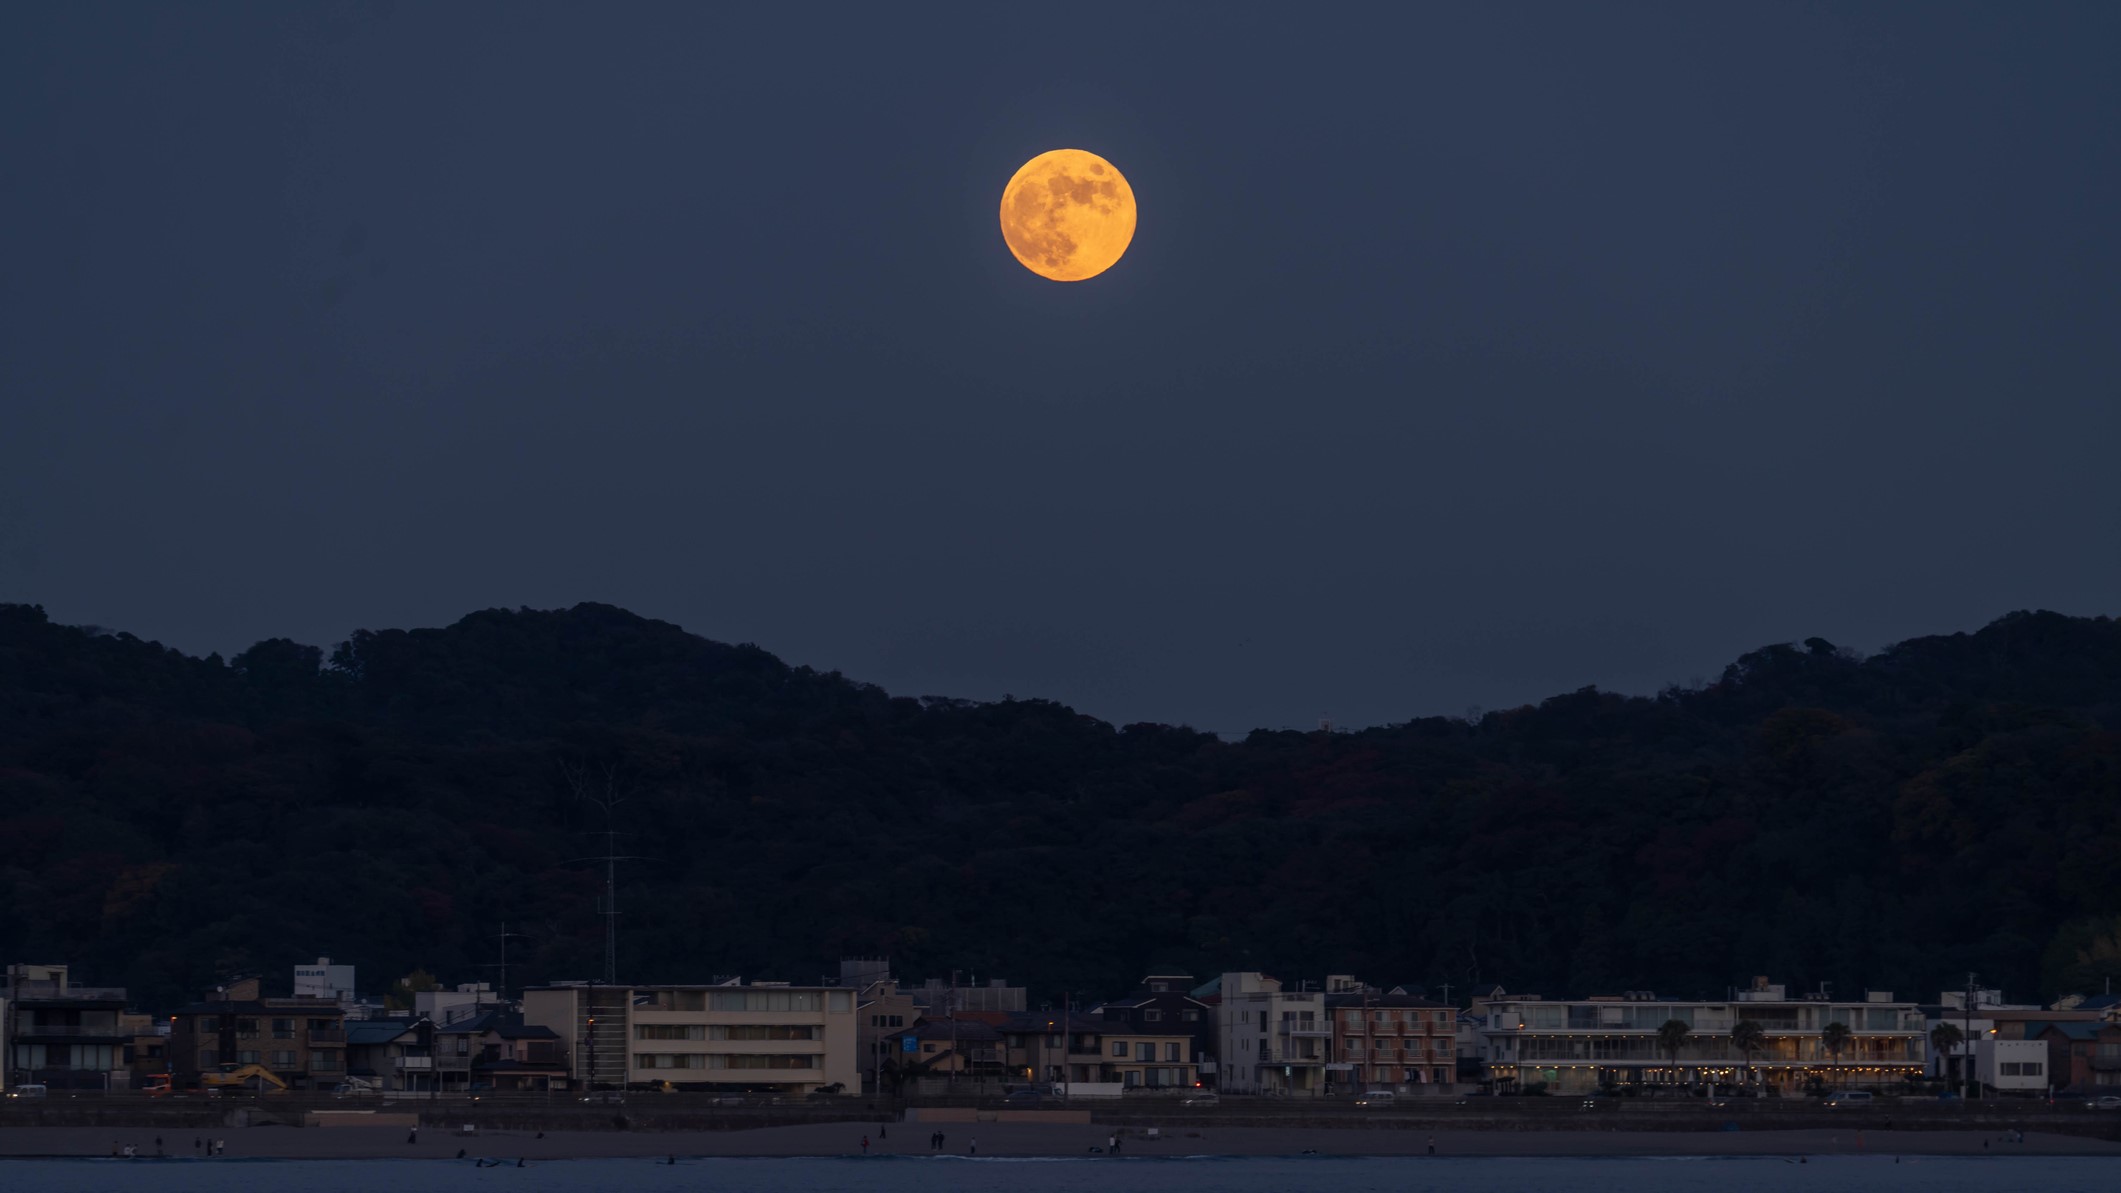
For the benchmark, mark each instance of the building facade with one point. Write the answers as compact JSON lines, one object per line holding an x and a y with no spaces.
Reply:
{"x":1165,"y":1006}
{"x":62,"y":1035}
{"x":1389,"y":1040}
{"x":301,"y":1040}
{"x":1270,"y":1040}
{"x":760,"y":1037}
{"x":1585,"y":1045}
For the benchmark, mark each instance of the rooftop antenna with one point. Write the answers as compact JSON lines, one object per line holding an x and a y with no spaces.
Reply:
{"x":504,"y":936}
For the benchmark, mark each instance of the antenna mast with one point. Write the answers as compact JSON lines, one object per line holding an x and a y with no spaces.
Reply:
{"x":608,"y":799}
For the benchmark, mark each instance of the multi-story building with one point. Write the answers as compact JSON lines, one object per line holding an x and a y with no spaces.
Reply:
{"x":762,"y":1036}
{"x":938,"y":997}
{"x":496,"y":1050}
{"x":1148,"y":1057}
{"x":463,"y":1002}
{"x":1573,"y":1046}
{"x":1165,"y":1005}
{"x":945,"y":1047}
{"x":325,"y":980}
{"x":1389,"y":1039}
{"x":301,"y":1040}
{"x":1270,"y":1040}
{"x":393,"y":1054}
{"x":1054,"y":1047}
{"x":62,"y":1035}
{"x":882,"y":1011}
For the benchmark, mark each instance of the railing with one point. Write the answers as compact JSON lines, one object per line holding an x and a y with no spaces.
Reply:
{"x":41,"y":1032}
{"x":330,"y":1035}
{"x":420,"y":1063}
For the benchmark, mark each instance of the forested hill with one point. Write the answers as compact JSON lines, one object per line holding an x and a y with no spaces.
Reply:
{"x":1889,"y":822}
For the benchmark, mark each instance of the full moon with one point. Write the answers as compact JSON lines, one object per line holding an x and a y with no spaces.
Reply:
{"x":1068,"y":215}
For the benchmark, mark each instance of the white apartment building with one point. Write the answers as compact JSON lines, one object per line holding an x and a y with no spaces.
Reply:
{"x":758,"y":1036}
{"x":1271,"y":1041}
{"x":2011,"y":1066}
{"x":1577,"y":1046}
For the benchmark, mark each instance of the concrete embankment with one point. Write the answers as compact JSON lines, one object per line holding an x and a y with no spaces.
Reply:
{"x":1019,"y":1139}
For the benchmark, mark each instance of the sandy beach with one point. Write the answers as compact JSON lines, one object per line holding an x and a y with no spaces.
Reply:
{"x":824,"y":1139}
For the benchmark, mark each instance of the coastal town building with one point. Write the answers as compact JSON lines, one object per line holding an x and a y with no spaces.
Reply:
{"x":1583,"y":1045}
{"x":301,"y":1041}
{"x":758,"y":1036}
{"x":1389,"y":1040}
{"x":945,"y":1046}
{"x":61,"y":1035}
{"x":1164,"y":1004}
{"x":1270,"y":1040}
{"x":497,"y":1051}
{"x":392,"y":1054}
{"x":1053,"y":1047}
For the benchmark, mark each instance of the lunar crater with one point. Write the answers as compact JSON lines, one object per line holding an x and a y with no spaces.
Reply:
{"x":1067,"y":215}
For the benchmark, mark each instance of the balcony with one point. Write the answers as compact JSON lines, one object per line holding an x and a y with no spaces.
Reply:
{"x":1307,"y":1030}
{"x":60,"y":1032}
{"x":415,"y":1064}
{"x":331,"y":1035}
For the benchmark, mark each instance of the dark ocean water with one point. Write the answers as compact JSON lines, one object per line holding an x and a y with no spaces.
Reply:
{"x":1079,"y":1175}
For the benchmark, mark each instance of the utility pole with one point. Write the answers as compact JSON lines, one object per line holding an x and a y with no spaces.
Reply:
{"x":1968,"y":1043}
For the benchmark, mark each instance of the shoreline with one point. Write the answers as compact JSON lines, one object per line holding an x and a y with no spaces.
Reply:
{"x":999,"y":1141}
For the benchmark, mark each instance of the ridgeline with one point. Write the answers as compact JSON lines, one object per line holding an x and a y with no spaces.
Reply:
{"x":1891,"y":822}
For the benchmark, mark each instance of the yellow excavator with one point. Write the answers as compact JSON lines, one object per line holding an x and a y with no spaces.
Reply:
{"x":240,"y":1077}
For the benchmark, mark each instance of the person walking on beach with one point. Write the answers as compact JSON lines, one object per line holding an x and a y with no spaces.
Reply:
{"x":974,"y":1149}
{"x":1432,"y":1145}
{"x":865,"y":1145}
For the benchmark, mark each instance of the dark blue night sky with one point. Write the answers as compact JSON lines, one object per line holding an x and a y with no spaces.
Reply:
{"x":1465,"y":354}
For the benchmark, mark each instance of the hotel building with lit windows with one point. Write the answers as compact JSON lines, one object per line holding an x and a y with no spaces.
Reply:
{"x":1581,"y":1046}
{"x":758,"y":1036}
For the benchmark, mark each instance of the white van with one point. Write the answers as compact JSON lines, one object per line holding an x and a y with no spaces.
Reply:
{"x":1851,"y":1097}
{"x":29,"y":1091}
{"x":1377,"y":1097}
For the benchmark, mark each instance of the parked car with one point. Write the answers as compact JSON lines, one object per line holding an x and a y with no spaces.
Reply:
{"x":1377,"y":1097}
{"x":1852,"y":1097}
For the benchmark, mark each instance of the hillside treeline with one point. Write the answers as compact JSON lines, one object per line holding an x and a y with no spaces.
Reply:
{"x":1890,"y":822}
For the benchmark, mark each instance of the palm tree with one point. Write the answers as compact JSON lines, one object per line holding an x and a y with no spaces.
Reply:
{"x":1671,"y":1037}
{"x":1748,"y":1038}
{"x":1946,"y":1038}
{"x":1834,"y":1037}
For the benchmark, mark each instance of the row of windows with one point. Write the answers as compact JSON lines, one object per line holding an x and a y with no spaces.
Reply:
{"x":1147,"y":1051}
{"x":282,"y":1029}
{"x":2024,"y":1068}
{"x":86,"y":1057}
{"x":1651,"y":1016}
{"x":887,"y":1021}
{"x":279,"y":1059}
{"x":1156,"y":1015}
{"x":1441,"y":1045}
{"x":1434,"y":1019}
{"x":749,"y":1000}
{"x":727,"y":1031}
{"x":716,"y":1060}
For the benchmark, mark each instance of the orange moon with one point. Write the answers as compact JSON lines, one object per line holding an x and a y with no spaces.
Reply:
{"x":1068,"y":215}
